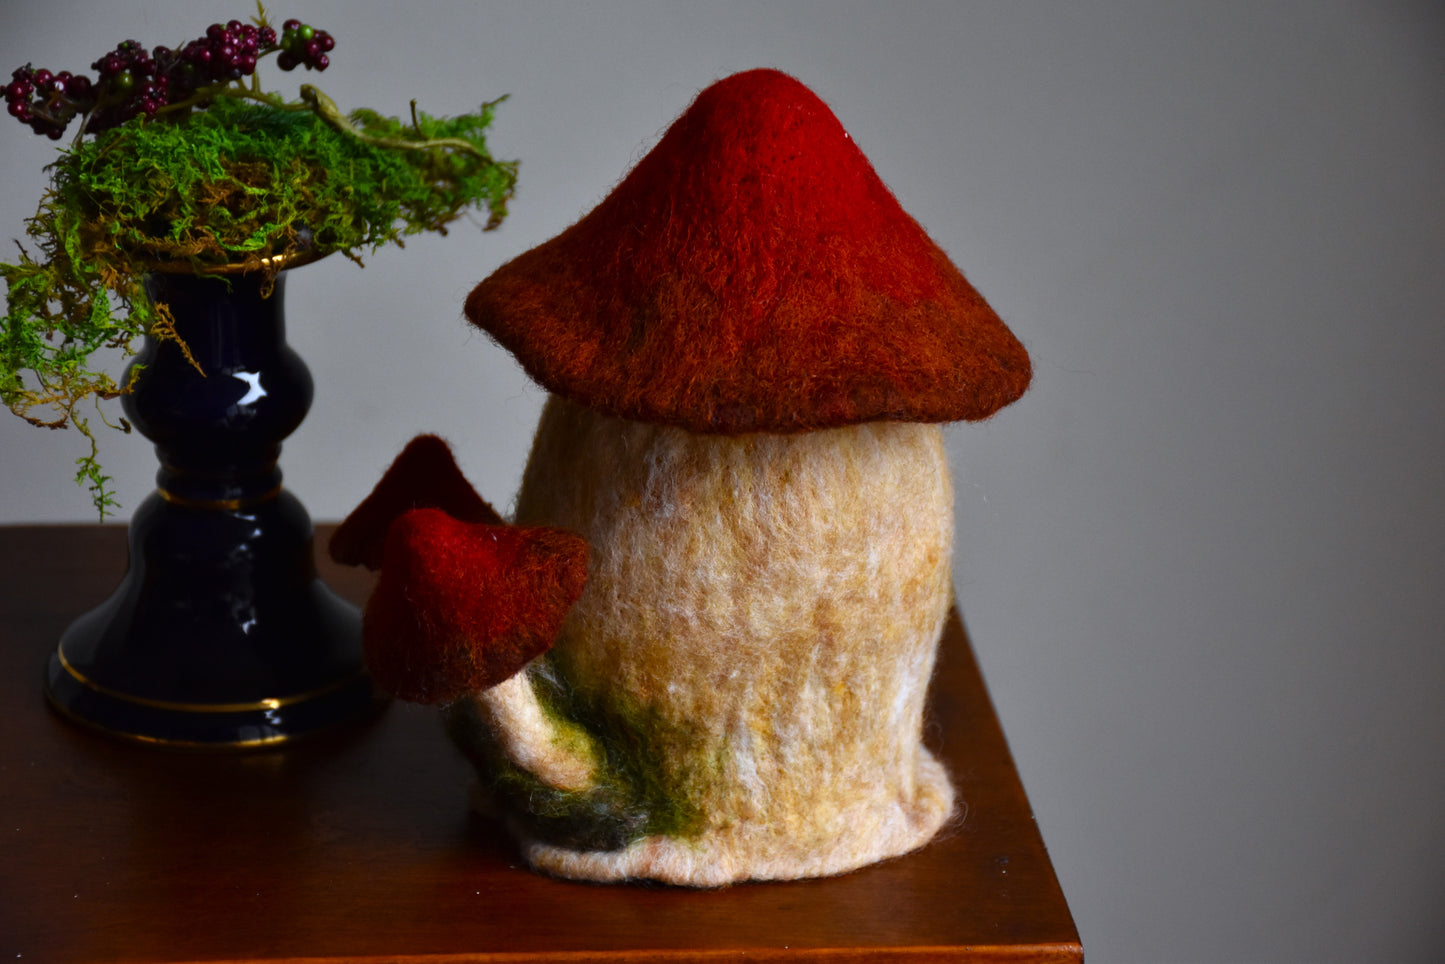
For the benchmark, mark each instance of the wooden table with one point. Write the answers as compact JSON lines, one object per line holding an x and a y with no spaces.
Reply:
{"x":359,"y":845}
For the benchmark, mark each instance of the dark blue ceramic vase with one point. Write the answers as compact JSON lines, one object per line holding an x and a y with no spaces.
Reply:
{"x":221,"y":634}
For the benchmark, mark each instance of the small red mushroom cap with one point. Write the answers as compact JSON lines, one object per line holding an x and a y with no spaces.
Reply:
{"x":460,"y":607}
{"x":424,"y":475}
{"x":753,"y":273}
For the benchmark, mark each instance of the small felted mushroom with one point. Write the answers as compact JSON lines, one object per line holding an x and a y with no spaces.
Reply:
{"x":423,"y":476}
{"x":749,"y":347}
{"x":461,"y":607}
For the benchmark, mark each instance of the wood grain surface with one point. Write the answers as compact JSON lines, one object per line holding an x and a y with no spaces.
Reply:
{"x":359,"y":846}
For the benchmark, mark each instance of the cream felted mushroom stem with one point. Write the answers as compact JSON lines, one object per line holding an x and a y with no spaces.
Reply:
{"x":762,"y":614}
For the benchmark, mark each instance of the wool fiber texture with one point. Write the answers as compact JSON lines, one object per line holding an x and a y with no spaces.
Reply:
{"x":760,"y":624}
{"x":753,"y":273}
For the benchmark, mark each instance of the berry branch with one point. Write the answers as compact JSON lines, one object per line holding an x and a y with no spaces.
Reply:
{"x":131,"y":82}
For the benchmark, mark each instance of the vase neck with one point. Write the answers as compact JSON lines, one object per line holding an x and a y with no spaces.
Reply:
{"x":223,"y":319}
{"x":218,"y":402}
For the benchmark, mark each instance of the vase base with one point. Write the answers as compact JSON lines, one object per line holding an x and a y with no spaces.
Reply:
{"x":258,"y":724}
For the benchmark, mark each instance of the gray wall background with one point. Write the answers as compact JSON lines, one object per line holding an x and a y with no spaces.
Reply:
{"x":1202,"y":560}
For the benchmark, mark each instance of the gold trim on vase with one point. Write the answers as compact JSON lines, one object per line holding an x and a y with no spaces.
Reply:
{"x":99,"y":727}
{"x":230,"y":505}
{"x":281,"y":261}
{"x":272,"y":703}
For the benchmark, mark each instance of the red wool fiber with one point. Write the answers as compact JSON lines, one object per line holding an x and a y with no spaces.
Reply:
{"x":460,"y":607}
{"x":424,"y":475}
{"x":753,"y":273}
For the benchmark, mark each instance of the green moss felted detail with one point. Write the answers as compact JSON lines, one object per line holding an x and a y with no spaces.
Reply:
{"x":637,"y":744}
{"x":250,"y":181}
{"x":633,"y":797}
{"x":602,"y":817}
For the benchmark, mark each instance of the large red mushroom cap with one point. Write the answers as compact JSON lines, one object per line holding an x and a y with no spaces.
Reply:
{"x":753,"y":273}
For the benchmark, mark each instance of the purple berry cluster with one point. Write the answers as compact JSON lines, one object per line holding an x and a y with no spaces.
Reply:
{"x":225,"y":53}
{"x":46,"y":101}
{"x":130,"y":82}
{"x":304,"y":45}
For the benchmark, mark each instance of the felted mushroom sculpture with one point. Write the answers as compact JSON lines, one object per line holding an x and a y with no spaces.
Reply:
{"x":749,"y":347}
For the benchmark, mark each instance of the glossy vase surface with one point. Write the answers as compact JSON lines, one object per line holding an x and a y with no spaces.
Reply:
{"x":221,"y":633}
